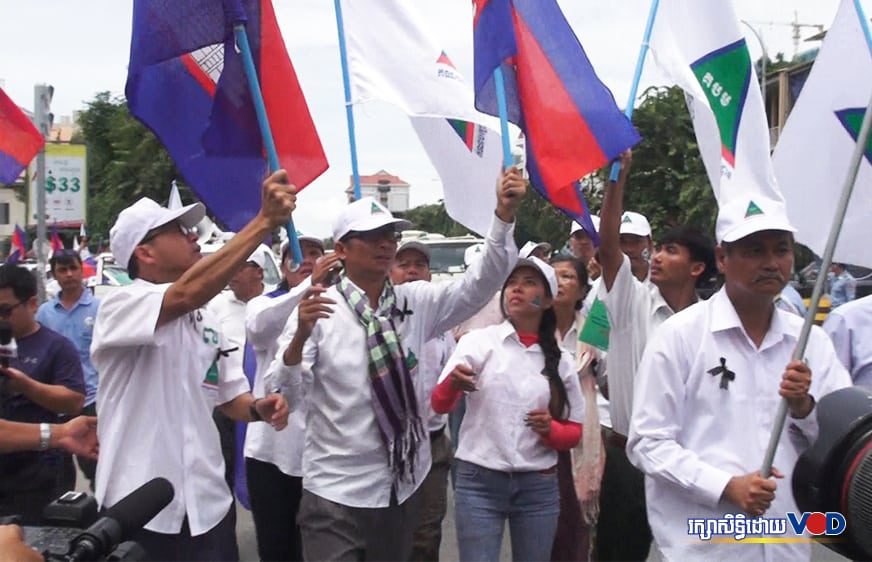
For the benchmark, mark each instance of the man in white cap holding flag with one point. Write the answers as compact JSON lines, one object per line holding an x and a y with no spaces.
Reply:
{"x":708,"y":388}
{"x":356,"y":345}
{"x":160,"y":355}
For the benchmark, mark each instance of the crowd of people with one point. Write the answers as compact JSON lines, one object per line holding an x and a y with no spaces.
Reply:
{"x":358,"y":390}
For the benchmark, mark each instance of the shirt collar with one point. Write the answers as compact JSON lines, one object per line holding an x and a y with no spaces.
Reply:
{"x":85,"y":299}
{"x":724,"y":317}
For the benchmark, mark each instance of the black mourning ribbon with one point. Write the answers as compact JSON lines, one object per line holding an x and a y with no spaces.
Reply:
{"x":401,"y":314}
{"x":225,"y":352}
{"x":726,"y":374}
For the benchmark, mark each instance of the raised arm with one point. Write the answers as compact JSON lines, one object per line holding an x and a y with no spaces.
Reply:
{"x":610,"y":256}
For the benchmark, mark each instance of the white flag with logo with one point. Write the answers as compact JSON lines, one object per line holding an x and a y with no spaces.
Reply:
{"x":813,"y":153}
{"x":699,"y":45}
{"x":393,"y":57}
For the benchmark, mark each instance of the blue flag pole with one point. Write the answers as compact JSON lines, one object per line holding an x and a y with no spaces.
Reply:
{"x":260,"y":109}
{"x":500,"y":86}
{"x":640,"y":63}
{"x":349,"y":111}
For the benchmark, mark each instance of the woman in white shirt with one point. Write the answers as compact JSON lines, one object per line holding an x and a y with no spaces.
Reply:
{"x":524,"y":404}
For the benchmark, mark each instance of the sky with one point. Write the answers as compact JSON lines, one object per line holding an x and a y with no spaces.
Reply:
{"x":81,"y":47}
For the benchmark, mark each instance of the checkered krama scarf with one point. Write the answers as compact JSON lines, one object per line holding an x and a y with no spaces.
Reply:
{"x":393,"y":393}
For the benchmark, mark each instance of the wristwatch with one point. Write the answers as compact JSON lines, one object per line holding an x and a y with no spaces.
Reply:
{"x":252,"y":411}
{"x":44,"y":436}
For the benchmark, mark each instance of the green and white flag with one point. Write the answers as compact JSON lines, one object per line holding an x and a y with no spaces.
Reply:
{"x":699,"y":45}
{"x":812,"y":157}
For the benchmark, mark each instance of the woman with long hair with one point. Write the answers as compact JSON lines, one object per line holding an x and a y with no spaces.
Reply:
{"x":523,"y":404}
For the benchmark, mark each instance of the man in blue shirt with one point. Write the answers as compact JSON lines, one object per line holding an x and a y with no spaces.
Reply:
{"x":842,"y":285}
{"x":71,"y":313}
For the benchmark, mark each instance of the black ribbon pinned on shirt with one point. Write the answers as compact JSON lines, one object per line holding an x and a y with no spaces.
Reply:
{"x":726,"y":374}
{"x":225,"y":352}
{"x":401,"y":314}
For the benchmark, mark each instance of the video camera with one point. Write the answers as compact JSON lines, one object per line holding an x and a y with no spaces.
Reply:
{"x":75,"y":532}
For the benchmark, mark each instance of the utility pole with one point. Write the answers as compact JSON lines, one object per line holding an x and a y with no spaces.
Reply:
{"x":42,"y":95}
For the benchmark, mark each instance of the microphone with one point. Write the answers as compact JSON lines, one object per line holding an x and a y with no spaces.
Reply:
{"x":8,"y":348}
{"x":130,"y":514}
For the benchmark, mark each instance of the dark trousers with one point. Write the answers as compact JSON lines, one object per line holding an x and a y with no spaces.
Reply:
{"x":433,"y":500}
{"x":275,"y":500}
{"x":572,"y":541}
{"x":622,"y":531}
{"x":333,"y":531}
{"x":227,"y":432}
{"x":86,"y":465}
{"x":218,"y":544}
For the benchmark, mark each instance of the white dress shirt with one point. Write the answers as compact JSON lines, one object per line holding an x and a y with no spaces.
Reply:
{"x":434,"y":356}
{"x":345,"y":460}
{"x":636,"y":309}
{"x":510,"y":383}
{"x":157,"y":391}
{"x":265,"y":319}
{"x":850,"y":328}
{"x":689,"y":436}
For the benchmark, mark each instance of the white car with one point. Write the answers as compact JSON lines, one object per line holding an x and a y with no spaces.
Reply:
{"x":446,"y":254}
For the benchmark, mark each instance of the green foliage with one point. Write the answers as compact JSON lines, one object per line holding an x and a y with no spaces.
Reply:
{"x":125,"y":162}
{"x":433,"y":218}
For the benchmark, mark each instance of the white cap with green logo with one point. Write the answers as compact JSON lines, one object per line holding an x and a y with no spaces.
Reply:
{"x":744,"y":215}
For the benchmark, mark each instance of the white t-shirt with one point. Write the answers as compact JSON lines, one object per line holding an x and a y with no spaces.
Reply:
{"x":690,"y":436}
{"x":510,"y":383}
{"x":636,"y":310}
{"x":158,"y":387}
{"x":265,"y":318}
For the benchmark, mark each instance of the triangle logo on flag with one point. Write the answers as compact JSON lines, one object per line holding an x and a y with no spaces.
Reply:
{"x":375,"y":209}
{"x":752,"y":210}
{"x":724,"y":75}
{"x":851,"y":119}
{"x":443,"y":59}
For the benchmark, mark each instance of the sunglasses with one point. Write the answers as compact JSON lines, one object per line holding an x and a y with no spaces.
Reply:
{"x":371,"y":236}
{"x":169,"y":227}
{"x":6,"y":310}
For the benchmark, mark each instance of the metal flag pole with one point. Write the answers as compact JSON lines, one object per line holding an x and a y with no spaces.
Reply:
{"x":349,"y":111}
{"x":637,"y":76}
{"x":260,"y":109}
{"x":826,"y":260}
{"x":503,"y":110}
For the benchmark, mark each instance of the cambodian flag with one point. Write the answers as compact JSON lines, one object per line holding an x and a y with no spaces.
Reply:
{"x":571,"y":122}
{"x":19,"y":140}
{"x":186,"y":83}
{"x":18,"y":247}
{"x":55,"y":241}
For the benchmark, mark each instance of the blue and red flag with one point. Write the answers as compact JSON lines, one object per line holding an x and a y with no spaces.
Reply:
{"x":18,"y":246}
{"x":55,"y":240}
{"x":569,"y":117}
{"x":186,"y":83}
{"x":19,"y":140}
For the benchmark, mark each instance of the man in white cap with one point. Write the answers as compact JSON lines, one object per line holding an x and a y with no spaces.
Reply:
{"x":540,"y":250}
{"x":413,"y":264}
{"x":161,"y":359}
{"x":580,"y":241}
{"x":358,"y":345}
{"x":274,"y":460}
{"x":708,"y":388}
{"x":637,"y":303}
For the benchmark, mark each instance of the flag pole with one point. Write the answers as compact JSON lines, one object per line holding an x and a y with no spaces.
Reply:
{"x":260,"y":109}
{"x":637,"y":76}
{"x":826,"y":260}
{"x":349,"y":111}
{"x":500,"y":86}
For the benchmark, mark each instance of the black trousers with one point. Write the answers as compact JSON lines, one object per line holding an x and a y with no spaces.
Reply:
{"x":622,"y":531}
{"x":218,"y":544}
{"x":275,"y":500}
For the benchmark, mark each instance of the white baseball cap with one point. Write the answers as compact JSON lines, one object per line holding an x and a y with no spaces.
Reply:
{"x":635,"y":223}
{"x":747,"y":214}
{"x":302,"y":238}
{"x":530,"y":247}
{"x":575,"y":227}
{"x":546,"y":270}
{"x":472,"y":254}
{"x":364,"y":215}
{"x":259,"y":256}
{"x":134,"y":222}
{"x":416,"y":246}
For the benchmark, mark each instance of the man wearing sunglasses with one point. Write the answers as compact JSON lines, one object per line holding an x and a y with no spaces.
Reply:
{"x":44,"y":381}
{"x":356,"y":346}
{"x":162,"y":364}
